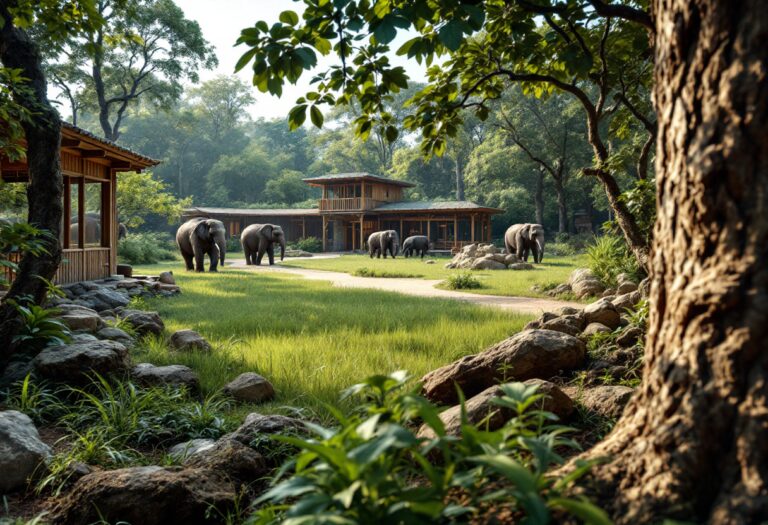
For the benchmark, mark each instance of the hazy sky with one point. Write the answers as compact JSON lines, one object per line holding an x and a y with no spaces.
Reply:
{"x":221,"y":22}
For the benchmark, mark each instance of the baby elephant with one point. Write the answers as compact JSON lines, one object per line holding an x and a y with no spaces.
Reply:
{"x":380,"y":242}
{"x":198,"y":237}
{"x":416,"y":245}
{"x":258,"y":239}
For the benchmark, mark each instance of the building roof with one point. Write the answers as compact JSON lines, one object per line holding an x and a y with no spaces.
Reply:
{"x":90,"y":141}
{"x":354,"y":177}
{"x":434,"y":206}
{"x":263,"y":212}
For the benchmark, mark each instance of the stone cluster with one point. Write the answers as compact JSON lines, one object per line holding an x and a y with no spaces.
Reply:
{"x":582,"y":283}
{"x":486,"y":257}
{"x":115,"y":292}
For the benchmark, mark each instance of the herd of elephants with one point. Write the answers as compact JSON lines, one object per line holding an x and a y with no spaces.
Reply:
{"x":199,"y":237}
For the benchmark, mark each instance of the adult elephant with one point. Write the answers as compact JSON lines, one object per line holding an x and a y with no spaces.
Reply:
{"x":260,"y":238}
{"x":380,"y":242}
{"x":198,"y":237}
{"x":93,"y":229}
{"x":416,"y":244}
{"x":522,"y":238}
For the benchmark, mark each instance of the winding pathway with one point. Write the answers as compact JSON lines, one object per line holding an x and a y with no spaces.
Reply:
{"x":417,"y":287}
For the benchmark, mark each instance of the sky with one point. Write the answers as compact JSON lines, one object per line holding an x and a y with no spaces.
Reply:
{"x":221,"y":22}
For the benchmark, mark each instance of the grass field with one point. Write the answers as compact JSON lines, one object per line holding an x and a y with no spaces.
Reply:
{"x":312,"y":340}
{"x":554,"y":270}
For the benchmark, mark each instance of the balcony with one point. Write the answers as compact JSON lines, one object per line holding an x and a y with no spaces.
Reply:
{"x":348,"y":204}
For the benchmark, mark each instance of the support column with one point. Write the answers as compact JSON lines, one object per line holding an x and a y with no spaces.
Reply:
{"x":429,"y":227}
{"x":362,"y":222}
{"x":303,"y":227}
{"x":325,"y":233}
{"x":401,"y":230}
{"x":472,"y":234}
{"x":81,"y":214}
{"x":67,"y":219}
{"x":456,"y":231}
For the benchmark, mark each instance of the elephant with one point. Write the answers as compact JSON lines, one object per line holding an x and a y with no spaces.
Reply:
{"x":380,"y":242}
{"x":200,"y":236}
{"x":122,"y":231}
{"x":416,"y":244}
{"x":520,"y":238}
{"x":92,"y":229}
{"x":259,"y":238}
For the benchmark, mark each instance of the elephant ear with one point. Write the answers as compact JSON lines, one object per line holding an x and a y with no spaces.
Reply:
{"x":525,"y":231}
{"x":202,"y":229}
{"x":267,"y":230}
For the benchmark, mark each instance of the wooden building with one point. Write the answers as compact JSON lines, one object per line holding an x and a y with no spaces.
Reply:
{"x":90,"y":168}
{"x":354,"y":205}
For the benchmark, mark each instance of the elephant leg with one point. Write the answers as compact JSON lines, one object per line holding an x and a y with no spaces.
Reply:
{"x":188,"y":261}
{"x":199,"y":256}
{"x":214,"y":256}
{"x":525,"y":254}
{"x":248,"y":256}
{"x":271,"y":254}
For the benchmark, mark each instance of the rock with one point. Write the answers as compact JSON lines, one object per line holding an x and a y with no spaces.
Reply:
{"x":511,"y":258}
{"x":561,"y":324}
{"x":82,"y":338}
{"x":21,"y":451}
{"x":166,"y":278}
{"x":608,"y":292}
{"x":147,"y":374}
{"x":105,"y":299}
{"x":250,"y":387}
{"x":533,"y":325}
{"x":567,"y":310}
{"x":78,"y":317}
{"x":16,"y":371}
{"x":644,"y":287}
{"x":479,"y":407}
{"x":168,"y":289}
{"x":626,"y":287}
{"x":188,"y":340}
{"x":606,"y":400}
{"x":584,"y":283}
{"x":115,"y":334}
{"x":126,"y":270}
{"x":560,"y":289}
{"x":429,"y":261}
{"x":498,"y":257}
{"x":526,"y":355}
{"x":629,"y":337}
{"x":627,"y":301}
{"x":231,"y":458}
{"x":149,"y":496}
{"x":188,"y":448}
{"x":487,"y":264}
{"x":595,"y":328}
{"x":143,"y":322}
{"x":73,"y":362}
{"x":256,"y":426}
{"x":603,"y":312}
{"x":520,"y":266}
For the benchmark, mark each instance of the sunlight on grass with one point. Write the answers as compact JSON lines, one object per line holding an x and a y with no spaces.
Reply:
{"x":494,"y":282}
{"x":313,"y":340}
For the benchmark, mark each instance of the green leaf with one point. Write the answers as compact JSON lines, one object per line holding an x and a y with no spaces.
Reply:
{"x":316,"y":116}
{"x":510,"y":469}
{"x":297,"y":116}
{"x":585,"y":511}
{"x":451,"y":35}
{"x":289,"y":17}
{"x":385,"y":31}
{"x":247,"y":56}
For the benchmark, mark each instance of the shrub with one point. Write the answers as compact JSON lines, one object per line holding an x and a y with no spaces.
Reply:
{"x":40,"y":326}
{"x":233,"y":244}
{"x":369,"y":272}
{"x":307,"y":244}
{"x":146,"y":248}
{"x":609,"y":256}
{"x":372,"y":468}
{"x":462,"y":281}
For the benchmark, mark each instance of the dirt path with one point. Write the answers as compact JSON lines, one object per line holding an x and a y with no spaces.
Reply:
{"x":417,"y":287}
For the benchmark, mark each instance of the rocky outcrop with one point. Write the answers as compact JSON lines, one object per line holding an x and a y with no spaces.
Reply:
{"x":527,"y":355}
{"x":114,"y":292}
{"x":22,"y":454}
{"x":250,"y":387}
{"x":605,"y":400}
{"x":235,"y":460}
{"x":74,"y":362}
{"x":147,"y":374}
{"x":141,"y":321}
{"x":78,"y":317}
{"x":147,"y":495}
{"x":486,"y":257}
{"x":189,"y":340}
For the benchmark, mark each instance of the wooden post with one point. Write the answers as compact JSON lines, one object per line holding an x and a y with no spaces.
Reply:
{"x":81,"y":214}
{"x":362,"y":202}
{"x":401,"y":230}
{"x":303,"y":227}
{"x":473,"y":228}
{"x":325,"y":233}
{"x":67,"y":213}
{"x":429,"y":227}
{"x":455,"y":231}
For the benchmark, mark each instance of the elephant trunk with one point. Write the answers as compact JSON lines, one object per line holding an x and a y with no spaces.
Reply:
{"x":540,"y":246}
{"x":282,"y":248}
{"x":222,"y":245}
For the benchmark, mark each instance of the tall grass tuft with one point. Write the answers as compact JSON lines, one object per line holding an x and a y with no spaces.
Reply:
{"x":609,"y":256}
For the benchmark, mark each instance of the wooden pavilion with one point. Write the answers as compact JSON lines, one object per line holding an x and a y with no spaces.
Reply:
{"x":90,"y":166}
{"x":354,"y":205}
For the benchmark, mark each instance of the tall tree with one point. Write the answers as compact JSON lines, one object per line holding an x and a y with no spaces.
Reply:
{"x":223,"y":102}
{"x":42,"y":132}
{"x":144,"y":50}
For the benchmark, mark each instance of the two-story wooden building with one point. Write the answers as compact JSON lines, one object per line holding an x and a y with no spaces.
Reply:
{"x":354,"y":205}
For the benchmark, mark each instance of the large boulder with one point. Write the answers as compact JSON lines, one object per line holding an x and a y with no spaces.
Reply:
{"x":73,"y":362}
{"x":115,"y":334}
{"x":166,"y":278}
{"x":103,"y":298}
{"x":480,"y":408}
{"x":187,"y":340}
{"x":526,"y":355}
{"x":233,"y":459}
{"x":78,"y":317}
{"x":141,"y":321}
{"x":606,"y":400}
{"x":149,"y":496}
{"x":626,"y":287}
{"x":520,"y":266}
{"x":258,"y":426}
{"x":250,"y":387}
{"x":603,"y":312}
{"x":487,"y":264}
{"x":593,"y":329}
{"x":626,"y":301}
{"x":584,"y":283}
{"x":21,"y":451}
{"x":568,"y":324}
{"x":147,"y":374}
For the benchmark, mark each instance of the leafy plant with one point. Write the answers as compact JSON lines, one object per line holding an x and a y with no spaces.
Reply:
{"x":463,"y":281}
{"x":233,"y":244}
{"x":308,"y":244}
{"x":19,"y":238}
{"x":146,"y":248}
{"x":609,"y":256}
{"x":373,"y":468}
{"x":40,"y":326}
{"x":34,"y":399}
{"x":369,"y":272}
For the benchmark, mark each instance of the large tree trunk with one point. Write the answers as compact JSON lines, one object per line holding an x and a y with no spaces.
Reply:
{"x":44,"y":193}
{"x":693,"y":443}
{"x":562,"y":207}
{"x":538,"y":197}
{"x":459,"y":171}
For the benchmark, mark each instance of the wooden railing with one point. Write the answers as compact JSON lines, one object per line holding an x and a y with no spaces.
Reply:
{"x":76,"y":265}
{"x":351,"y":204}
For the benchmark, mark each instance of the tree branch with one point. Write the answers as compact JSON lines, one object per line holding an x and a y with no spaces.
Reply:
{"x":624,"y":12}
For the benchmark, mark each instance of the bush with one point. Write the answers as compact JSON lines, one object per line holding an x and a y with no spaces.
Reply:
{"x":368,"y":272}
{"x":372,"y":468}
{"x":609,"y":256}
{"x":233,"y":244}
{"x":146,"y":248}
{"x":463,"y":281}
{"x":307,"y":244}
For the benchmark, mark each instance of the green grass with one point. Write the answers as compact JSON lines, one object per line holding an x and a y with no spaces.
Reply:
{"x":554,"y":270}
{"x":313,"y":340}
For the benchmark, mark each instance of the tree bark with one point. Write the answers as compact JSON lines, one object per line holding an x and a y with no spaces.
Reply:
{"x":459,"y":170}
{"x":538,"y":197}
{"x":44,"y":193}
{"x":693,"y":443}
{"x":562,"y":207}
